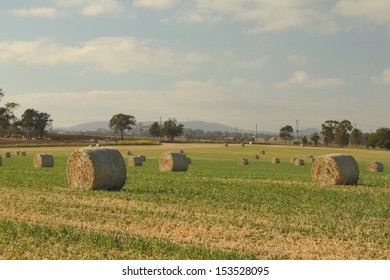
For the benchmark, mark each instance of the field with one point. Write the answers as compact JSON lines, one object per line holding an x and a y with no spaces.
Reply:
{"x":218,"y":209}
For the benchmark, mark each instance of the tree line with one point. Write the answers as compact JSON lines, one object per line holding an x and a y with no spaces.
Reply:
{"x":32,"y":124}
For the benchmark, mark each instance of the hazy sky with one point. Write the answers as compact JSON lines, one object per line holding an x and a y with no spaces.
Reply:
{"x":237,"y":62}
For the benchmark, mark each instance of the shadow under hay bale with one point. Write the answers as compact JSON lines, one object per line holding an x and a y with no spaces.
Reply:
{"x":170,"y":161}
{"x":375,"y":166}
{"x":96,"y":169}
{"x":43,"y":160}
{"x":243,"y":161}
{"x":335,"y":169}
{"x":135,"y":161}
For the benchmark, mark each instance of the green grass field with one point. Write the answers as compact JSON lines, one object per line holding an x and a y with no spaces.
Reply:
{"x":216,"y":210}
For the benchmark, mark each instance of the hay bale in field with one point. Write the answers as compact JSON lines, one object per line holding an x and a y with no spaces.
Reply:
{"x":375,"y":166}
{"x":335,"y":169}
{"x":257,"y":156}
{"x":7,"y":154}
{"x":23,"y":154}
{"x":242,"y":144}
{"x":18,"y":153}
{"x":96,"y":169}
{"x":310,"y":156}
{"x":243,"y":161}
{"x":129,"y":153}
{"x":135,"y":161}
{"x":170,"y":161}
{"x":143,"y":157}
{"x":43,"y":160}
{"x":181,"y":151}
{"x":226,"y":145}
{"x":299,"y":162}
{"x":262,"y":152}
{"x":276,"y":160}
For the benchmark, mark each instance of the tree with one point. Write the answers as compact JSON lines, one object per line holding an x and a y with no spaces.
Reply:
{"x":172,"y":129}
{"x":356,"y":137}
{"x":328,"y":131}
{"x":380,"y":138}
{"x":35,"y":123}
{"x":286,"y":132}
{"x":155,"y":130}
{"x":315,"y":138}
{"x":121,"y":122}
{"x":7,"y":116}
{"x":304,"y":140}
{"x":342,"y":130}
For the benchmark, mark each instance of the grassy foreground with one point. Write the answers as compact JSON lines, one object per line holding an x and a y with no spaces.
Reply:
{"x":216,"y":210}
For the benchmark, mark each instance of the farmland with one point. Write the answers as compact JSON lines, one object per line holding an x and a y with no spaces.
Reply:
{"x":218,"y":209}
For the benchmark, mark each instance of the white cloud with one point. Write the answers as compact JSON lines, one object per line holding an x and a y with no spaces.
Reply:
{"x":298,"y":59}
{"x":110,"y":54}
{"x":252,"y":64}
{"x":244,"y":83}
{"x":154,"y":4}
{"x":377,"y":11}
{"x":93,"y":7}
{"x":384,"y":78}
{"x":37,"y":12}
{"x":303,"y":79}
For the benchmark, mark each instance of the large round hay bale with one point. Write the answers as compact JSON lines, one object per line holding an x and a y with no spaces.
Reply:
{"x":170,"y":161}
{"x":135,"y":161}
{"x":96,"y":169}
{"x":276,"y":160}
{"x":243,"y":161}
{"x":43,"y":160}
{"x":375,"y":166}
{"x":335,"y":169}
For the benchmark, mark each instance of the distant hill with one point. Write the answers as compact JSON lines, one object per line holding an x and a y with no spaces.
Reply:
{"x":90,"y":126}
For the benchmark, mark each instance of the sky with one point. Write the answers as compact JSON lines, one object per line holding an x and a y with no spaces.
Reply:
{"x":237,"y":62}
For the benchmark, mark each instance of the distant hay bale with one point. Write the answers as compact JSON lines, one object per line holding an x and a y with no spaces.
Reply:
{"x":96,"y":169}
{"x":43,"y":160}
{"x":143,"y":157}
{"x":18,"y":153}
{"x":257,"y":156}
{"x":7,"y":154}
{"x":299,"y":162}
{"x":375,"y":166}
{"x":226,"y":145}
{"x":181,"y":151}
{"x":292,"y":160}
{"x":262,"y":152}
{"x":129,"y":153}
{"x":243,"y":161}
{"x":310,"y":156}
{"x":335,"y":169}
{"x":170,"y":161}
{"x":276,"y":160}
{"x":135,"y":161}
{"x":23,"y":154}
{"x":242,"y":144}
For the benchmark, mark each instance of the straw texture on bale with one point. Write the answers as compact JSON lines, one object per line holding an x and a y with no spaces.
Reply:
{"x":299,"y":162}
{"x":276,"y":160}
{"x":335,"y":169}
{"x":135,"y":161}
{"x":43,"y":160}
{"x":375,"y":166}
{"x":170,"y":161}
{"x":96,"y":169}
{"x":243,"y":161}
{"x":7,"y":154}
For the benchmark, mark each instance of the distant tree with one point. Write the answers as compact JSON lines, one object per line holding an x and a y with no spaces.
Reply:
{"x":171,"y":129}
{"x":342,"y":131}
{"x":155,"y":130}
{"x":304,"y":140}
{"x":328,"y":131}
{"x":315,"y":138}
{"x":35,"y":123}
{"x":285,"y":133}
{"x":7,"y":116}
{"x":121,"y":122}
{"x":356,"y":137}
{"x":381,"y":138}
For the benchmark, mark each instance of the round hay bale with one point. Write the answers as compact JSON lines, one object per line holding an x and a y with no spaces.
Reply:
{"x":242,"y":144}
{"x":375,"y":166}
{"x":7,"y":154}
{"x":257,"y":156}
{"x":262,"y":152}
{"x":181,"y":151}
{"x":226,"y":145}
{"x":243,"y":161}
{"x":43,"y":160}
{"x":292,"y":160}
{"x":299,"y":162}
{"x":135,"y":161}
{"x":276,"y":160}
{"x":143,"y":157}
{"x":23,"y":154}
{"x":310,"y":156}
{"x":18,"y":153}
{"x":96,"y":169}
{"x":129,"y":153}
{"x":170,"y":161}
{"x":335,"y":169}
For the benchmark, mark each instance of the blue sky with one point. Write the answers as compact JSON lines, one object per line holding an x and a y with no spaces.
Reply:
{"x":237,"y":62}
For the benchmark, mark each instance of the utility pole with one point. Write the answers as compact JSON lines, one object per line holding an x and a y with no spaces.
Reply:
{"x":297,"y":133}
